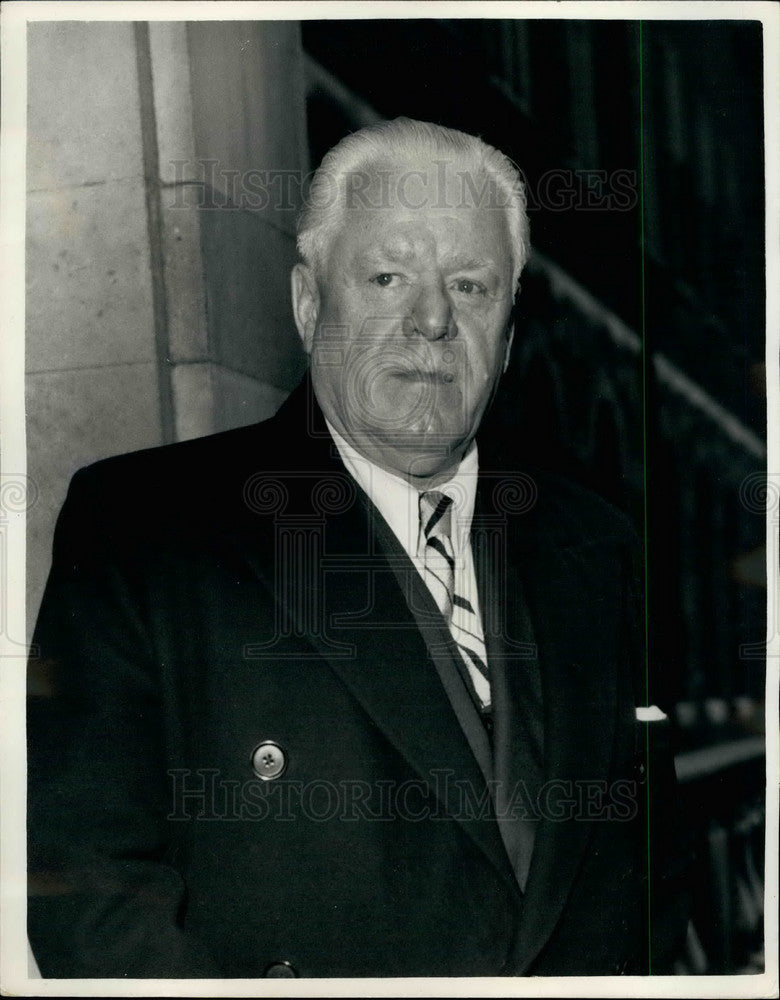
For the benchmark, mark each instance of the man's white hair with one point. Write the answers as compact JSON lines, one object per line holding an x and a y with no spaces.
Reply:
{"x":395,"y":142}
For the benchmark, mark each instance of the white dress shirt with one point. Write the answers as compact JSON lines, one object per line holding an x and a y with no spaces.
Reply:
{"x":398,"y":503}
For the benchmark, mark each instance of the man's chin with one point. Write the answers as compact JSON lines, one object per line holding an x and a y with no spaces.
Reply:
{"x":410,"y":432}
{"x":418,"y":455}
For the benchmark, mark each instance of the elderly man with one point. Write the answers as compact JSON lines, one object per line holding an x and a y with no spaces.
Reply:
{"x":335,"y":694}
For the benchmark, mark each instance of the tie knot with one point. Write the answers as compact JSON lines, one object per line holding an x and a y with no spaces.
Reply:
{"x":435,"y":511}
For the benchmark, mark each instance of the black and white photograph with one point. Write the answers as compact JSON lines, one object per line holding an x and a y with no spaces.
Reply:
{"x":390,"y":498}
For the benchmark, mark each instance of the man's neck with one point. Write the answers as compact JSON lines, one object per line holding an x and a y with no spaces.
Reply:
{"x":430,"y":482}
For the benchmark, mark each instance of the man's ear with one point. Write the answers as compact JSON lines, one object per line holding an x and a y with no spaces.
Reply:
{"x":305,"y":302}
{"x":510,"y":335}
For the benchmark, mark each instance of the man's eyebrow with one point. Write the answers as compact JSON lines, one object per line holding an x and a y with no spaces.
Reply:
{"x":398,"y":254}
{"x":469,"y":263}
{"x":406,"y":254}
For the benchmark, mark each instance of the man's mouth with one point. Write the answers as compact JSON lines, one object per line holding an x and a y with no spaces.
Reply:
{"x":434,"y":377}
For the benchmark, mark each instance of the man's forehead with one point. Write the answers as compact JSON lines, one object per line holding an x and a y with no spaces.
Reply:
{"x":404,"y":245}
{"x":436,"y":183}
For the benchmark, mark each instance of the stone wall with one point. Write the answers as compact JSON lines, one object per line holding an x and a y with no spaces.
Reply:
{"x":156,"y":311}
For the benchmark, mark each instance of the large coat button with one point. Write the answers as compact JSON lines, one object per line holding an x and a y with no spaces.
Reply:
{"x":268,"y":760}
{"x":280,"y":970}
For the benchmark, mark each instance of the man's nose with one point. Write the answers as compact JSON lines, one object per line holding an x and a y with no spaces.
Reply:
{"x":431,"y":313}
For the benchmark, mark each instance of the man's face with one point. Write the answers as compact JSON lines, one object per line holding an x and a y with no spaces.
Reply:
{"x":407,"y":327}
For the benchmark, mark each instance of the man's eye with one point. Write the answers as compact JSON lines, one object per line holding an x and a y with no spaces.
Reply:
{"x":468,"y":287}
{"x":385,"y":280}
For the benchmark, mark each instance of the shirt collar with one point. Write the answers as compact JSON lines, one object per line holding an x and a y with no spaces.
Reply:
{"x":398,"y":501}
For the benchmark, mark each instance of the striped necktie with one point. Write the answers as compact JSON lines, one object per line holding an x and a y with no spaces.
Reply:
{"x":437,"y":556}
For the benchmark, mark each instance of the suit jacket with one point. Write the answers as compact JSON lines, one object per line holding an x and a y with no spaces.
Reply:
{"x":214,"y":596}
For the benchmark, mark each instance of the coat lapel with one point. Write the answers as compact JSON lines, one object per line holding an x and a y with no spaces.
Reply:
{"x":439,"y":642}
{"x":515,"y":689}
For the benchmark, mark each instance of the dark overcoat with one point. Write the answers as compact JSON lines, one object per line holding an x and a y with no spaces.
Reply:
{"x":237,"y":592}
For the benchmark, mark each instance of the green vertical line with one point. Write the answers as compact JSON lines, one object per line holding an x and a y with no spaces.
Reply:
{"x":644,"y":468}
